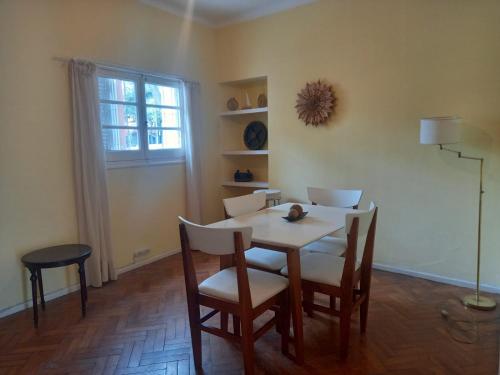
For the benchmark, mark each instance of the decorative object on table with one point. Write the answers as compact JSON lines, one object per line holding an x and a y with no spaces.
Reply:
{"x":262,"y":101}
{"x":273,"y":196}
{"x":51,"y":257}
{"x":315,"y":103}
{"x":232,"y":104}
{"x":446,"y":130}
{"x":248,"y":104}
{"x":255,"y":135}
{"x":243,"y":176}
{"x":295,"y":213}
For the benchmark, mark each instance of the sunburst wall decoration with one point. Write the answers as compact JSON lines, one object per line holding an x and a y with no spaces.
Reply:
{"x":315,"y":103}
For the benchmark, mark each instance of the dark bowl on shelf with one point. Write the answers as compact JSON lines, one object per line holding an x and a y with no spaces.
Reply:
{"x":292,"y":219}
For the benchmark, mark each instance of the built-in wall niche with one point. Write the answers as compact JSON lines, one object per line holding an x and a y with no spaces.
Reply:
{"x":232,"y":124}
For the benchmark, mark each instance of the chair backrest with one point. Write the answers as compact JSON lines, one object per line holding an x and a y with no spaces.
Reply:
{"x":228,"y":243}
{"x":365,"y":220}
{"x":215,"y":241}
{"x":360,"y":228}
{"x":334,"y":197}
{"x":244,"y":204}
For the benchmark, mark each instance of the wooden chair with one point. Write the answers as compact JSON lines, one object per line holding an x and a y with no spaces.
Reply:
{"x":263,"y":259}
{"x":245,"y":293}
{"x":333,"y":198}
{"x":343,"y":278}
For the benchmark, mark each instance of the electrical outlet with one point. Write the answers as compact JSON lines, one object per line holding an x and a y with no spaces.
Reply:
{"x":141,"y":253}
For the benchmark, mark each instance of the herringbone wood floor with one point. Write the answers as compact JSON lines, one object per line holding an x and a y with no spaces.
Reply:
{"x":138,"y":325}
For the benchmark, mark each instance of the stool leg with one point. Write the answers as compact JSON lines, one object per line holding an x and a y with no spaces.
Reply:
{"x":40,"y":286}
{"x":35,"y":300}
{"x":85,"y":283}
{"x":81,"y":271}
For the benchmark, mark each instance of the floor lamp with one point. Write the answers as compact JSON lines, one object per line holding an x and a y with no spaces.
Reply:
{"x":446,"y":130}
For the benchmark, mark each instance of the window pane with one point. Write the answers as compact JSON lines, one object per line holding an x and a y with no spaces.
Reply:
{"x":116,"y":89}
{"x":164,"y":139}
{"x":118,"y":114}
{"x":120,"y":139}
{"x":162,"y":95}
{"x":163,"y":117}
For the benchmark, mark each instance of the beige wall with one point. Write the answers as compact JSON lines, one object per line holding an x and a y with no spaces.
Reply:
{"x":391,"y":62}
{"x":36,"y":186}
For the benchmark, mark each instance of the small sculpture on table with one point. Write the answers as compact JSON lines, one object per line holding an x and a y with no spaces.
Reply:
{"x":295,"y":213}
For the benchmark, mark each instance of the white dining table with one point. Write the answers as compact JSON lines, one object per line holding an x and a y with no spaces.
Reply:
{"x":271,"y":231}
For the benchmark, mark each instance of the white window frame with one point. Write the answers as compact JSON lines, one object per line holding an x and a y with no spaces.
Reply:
{"x":145,"y":156}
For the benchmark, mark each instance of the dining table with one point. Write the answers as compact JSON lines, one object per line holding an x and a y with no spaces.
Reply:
{"x":272,"y":231}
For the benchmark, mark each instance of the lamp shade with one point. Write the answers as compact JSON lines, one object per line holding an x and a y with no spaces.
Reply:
{"x":440,"y":130}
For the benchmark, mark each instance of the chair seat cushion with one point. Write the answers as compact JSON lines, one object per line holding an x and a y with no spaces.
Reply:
{"x":266,"y":259}
{"x":321,"y":268}
{"x":224,"y":285}
{"x":327,"y":245}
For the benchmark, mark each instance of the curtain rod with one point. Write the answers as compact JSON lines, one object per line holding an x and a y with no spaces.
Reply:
{"x":126,"y":69}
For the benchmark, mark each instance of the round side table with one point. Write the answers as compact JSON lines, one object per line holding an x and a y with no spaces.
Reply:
{"x":51,"y":257}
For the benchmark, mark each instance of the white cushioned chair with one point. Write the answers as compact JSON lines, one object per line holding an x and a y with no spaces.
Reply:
{"x":244,"y":293}
{"x":333,"y":198}
{"x":264,"y":259}
{"x":339,"y":277}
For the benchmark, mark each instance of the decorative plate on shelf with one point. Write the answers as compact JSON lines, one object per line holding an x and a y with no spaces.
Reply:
{"x":255,"y":135}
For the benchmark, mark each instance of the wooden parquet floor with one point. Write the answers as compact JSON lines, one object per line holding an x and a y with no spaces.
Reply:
{"x":138,"y":325}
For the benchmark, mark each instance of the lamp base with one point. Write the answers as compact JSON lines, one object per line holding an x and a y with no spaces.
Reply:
{"x":479,"y":302}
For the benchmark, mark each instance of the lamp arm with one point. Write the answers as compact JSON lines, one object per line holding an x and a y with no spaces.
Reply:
{"x":459,"y":153}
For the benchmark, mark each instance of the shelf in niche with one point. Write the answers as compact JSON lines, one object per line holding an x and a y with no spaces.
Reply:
{"x":240,"y":112}
{"x":252,"y":184}
{"x":245,"y":152}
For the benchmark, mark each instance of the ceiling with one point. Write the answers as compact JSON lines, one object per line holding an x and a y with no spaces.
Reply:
{"x":219,"y":13}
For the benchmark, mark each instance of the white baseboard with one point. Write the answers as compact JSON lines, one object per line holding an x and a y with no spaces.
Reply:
{"x":136,"y":265}
{"x":29,"y":303}
{"x":73,"y":288}
{"x":437,"y":278}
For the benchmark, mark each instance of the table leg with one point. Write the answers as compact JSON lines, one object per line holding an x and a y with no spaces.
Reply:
{"x":40,"y":286}
{"x":83,"y":287}
{"x":33,"y":293}
{"x":293,"y":261}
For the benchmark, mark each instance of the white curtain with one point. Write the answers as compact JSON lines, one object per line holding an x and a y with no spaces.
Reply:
{"x":90,"y":173}
{"x":192,"y":95}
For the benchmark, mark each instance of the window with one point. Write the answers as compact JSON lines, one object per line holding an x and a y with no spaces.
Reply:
{"x":141,"y":117}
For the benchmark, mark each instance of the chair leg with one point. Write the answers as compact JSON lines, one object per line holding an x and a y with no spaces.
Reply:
{"x":236,"y":325}
{"x":345,"y":329}
{"x":284,"y":321}
{"x":308,"y":298}
{"x":247,"y":343}
{"x":224,"y":318}
{"x":195,"y":325}
{"x":363,"y":314}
